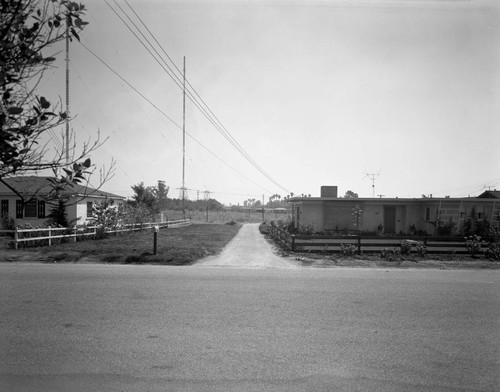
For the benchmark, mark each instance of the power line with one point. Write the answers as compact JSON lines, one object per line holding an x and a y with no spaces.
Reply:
{"x":170,"y":119}
{"x":205,"y":110}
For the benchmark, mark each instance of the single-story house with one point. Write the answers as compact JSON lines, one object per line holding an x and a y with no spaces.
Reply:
{"x":394,"y":215}
{"x":24,"y":200}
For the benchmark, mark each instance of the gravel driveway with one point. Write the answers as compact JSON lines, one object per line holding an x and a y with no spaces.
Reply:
{"x":248,"y":249}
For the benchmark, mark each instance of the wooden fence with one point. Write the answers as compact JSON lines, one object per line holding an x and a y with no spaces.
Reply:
{"x":332,"y":244}
{"x":47,"y":235}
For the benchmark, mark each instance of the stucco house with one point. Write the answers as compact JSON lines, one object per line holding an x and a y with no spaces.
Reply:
{"x":395,"y":215}
{"x":24,"y":200}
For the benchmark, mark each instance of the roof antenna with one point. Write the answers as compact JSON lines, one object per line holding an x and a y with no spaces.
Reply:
{"x":373,"y":177}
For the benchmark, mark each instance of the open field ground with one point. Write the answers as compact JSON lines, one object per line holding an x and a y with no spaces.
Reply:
{"x":250,"y":216}
{"x":176,"y":246}
{"x":71,"y":327}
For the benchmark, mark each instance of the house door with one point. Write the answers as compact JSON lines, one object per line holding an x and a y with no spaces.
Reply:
{"x":389,"y":219}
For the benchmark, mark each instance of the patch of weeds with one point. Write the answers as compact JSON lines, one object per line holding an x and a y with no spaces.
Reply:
{"x":493,"y":252}
{"x":111,"y":258}
{"x":473,"y":244}
{"x":391,"y":254}
{"x":405,"y":247}
{"x":421,"y":249}
{"x":134,"y":259}
{"x":348,"y":249}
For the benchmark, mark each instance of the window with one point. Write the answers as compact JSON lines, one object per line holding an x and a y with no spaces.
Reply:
{"x":30,"y":210}
{"x":41,"y":209}
{"x":5,"y":207}
{"x":90,"y":209}
{"x":19,"y":209}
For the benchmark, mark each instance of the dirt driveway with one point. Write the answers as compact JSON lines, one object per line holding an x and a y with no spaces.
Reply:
{"x":248,"y":249}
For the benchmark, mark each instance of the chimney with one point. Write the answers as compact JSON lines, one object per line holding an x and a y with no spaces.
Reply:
{"x":329,"y":191}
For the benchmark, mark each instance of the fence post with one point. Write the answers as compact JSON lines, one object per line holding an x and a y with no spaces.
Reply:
{"x":359,"y":245}
{"x":50,"y":234}
{"x":16,"y":237}
{"x":75,"y":232}
{"x":293,"y":243}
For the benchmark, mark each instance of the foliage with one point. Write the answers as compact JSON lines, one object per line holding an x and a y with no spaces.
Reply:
{"x":6,"y":222}
{"x":307,"y":229}
{"x":493,"y":251}
{"x":350,"y":195}
{"x":57,"y":216}
{"x":445,"y":229}
{"x":357,"y":213}
{"x":348,"y":249}
{"x":421,"y":249}
{"x":28,"y":30}
{"x":405,"y":247}
{"x":473,"y":244}
{"x":391,"y":254}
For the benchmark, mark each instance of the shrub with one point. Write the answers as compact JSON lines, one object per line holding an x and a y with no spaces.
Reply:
{"x":421,"y":249}
{"x":405,"y":247}
{"x":348,"y":249}
{"x":493,"y":251}
{"x":391,"y":254}
{"x":473,"y":244}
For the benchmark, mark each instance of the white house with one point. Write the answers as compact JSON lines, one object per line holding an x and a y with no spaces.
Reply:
{"x":24,"y":200}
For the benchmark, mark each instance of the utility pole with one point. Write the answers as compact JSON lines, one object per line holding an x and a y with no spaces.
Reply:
{"x":184,"y":140}
{"x":67,"y":90}
{"x":262,"y":207}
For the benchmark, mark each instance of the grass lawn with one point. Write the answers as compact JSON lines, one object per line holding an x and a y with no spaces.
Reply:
{"x":176,"y":246}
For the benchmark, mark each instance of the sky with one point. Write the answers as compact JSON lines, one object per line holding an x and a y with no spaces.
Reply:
{"x":315,"y":92}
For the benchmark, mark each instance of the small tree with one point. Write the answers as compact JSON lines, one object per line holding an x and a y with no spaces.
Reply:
{"x":57,"y":216}
{"x":350,"y":195}
{"x":357,"y":212}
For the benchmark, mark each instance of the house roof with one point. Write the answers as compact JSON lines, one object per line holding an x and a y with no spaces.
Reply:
{"x":490,"y":195}
{"x":34,"y":185}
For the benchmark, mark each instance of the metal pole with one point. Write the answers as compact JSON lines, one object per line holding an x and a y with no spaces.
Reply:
{"x":184,"y":141}
{"x":67,"y":90}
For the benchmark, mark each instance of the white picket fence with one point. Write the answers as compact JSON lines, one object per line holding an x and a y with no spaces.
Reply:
{"x":52,"y":233}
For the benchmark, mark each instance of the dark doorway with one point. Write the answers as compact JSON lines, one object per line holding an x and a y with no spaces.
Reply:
{"x":389,"y":219}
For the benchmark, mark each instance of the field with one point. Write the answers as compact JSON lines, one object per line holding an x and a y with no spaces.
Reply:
{"x":250,"y":216}
{"x":176,"y":246}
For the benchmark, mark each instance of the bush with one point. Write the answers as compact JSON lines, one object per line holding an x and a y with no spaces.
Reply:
{"x":405,"y":247}
{"x":473,"y":244}
{"x":348,"y":249}
{"x":493,"y":251}
{"x":391,"y":254}
{"x":421,"y":249}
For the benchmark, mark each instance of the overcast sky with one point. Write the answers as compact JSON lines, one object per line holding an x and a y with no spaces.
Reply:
{"x":316,"y":93}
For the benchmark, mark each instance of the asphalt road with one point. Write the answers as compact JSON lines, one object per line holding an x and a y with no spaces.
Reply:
{"x":70,"y":327}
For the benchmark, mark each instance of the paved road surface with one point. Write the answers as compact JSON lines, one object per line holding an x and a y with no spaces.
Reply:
{"x":248,"y":249}
{"x":151,"y":328}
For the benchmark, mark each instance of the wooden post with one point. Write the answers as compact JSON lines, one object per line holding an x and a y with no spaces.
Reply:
{"x":50,"y":234}
{"x":156,"y":229}
{"x":16,"y":237}
{"x":207,"y":215}
{"x":74,"y":240}
{"x":359,"y":245}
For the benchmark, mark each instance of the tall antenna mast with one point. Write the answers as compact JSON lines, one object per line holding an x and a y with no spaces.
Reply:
{"x":67,"y":89}
{"x":373,"y":177}
{"x":184,"y":140}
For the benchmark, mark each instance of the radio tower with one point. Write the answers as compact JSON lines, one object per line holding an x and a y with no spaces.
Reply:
{"x":373,"y":177}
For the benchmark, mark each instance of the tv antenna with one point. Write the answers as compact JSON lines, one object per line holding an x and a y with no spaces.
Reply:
{"x":373,"y":177}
